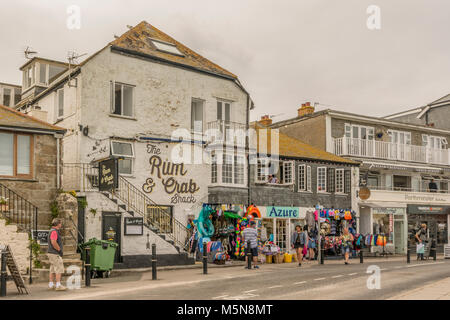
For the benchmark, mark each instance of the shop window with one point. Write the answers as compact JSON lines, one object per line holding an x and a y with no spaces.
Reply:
{"x":340,"y":181}
{"x":331,"y":180}
{"x":122,"y":99}
{"x":124,"y":150}
{"x":16,"y":155}
{"x":321,"y":179}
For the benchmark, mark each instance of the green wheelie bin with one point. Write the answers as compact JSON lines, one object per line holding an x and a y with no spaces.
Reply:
{"x":101,"y":256}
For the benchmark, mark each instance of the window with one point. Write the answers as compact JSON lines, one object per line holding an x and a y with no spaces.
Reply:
{"x":433,"y":142}
{"x":331,"y":180}
{"x":17,"y":96}
{"x":288,"y":174}
{"x":239,"y":162}
{"x":54,"y":72}
{"x":340,"y":181}
{"x":60,"y":103}
{"x":302,"y":177}
{"x":160,"y":215}
{"x":321,"y":179}
{"x":262,"y":170}
{"x":347,"y":181}
{"x":7,"y":97}
{"x":125,"y":150}
{"x":43,"y":73}
{"x":166,"y":47}
{"x":213,"y":168}
{"x":15,"y":155}
{"x":122,"y":99}
{"x":197,"y":115}
{"x":308,"y":178}
{"x":400,"y":137}
{"x":223,"y":111}
{"x":227,"y":168}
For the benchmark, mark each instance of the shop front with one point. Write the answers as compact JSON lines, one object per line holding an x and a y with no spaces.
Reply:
{"x":435,"y":217}
{"x":389,"y":222}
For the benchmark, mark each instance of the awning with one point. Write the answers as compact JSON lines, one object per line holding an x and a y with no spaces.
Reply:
{"x":384,"y":165}
{"x":382,"y":204}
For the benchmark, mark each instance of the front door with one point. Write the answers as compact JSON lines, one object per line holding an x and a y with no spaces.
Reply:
{"x":111,"y":230}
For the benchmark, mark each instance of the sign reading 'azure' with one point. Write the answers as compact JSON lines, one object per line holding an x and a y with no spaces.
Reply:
{"x":282,"y":212}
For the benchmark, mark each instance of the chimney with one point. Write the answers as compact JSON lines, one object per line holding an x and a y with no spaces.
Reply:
{"x":265,"y":121}
{"x":305,"y":109}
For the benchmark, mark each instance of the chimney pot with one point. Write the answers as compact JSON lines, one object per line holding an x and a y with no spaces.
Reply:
{"x":305,"y":109}
{"x":265,"y":120}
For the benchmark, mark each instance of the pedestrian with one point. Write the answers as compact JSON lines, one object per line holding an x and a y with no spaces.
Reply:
{"x":54,"y":254}
{"x":311,"y":243}
{"x":432,"y":186}
{"x":421,"y":237}
{"x":298,"y":243}
{"x":347,"y":244}
{"x":251,"y":234}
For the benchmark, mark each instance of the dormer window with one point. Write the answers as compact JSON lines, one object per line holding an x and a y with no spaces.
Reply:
{"x":166,"y":47}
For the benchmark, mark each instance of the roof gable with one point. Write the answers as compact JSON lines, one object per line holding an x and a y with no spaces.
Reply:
{"x":443,"y":99}
{"x":139,"y":40}
{"x":14,"y":119}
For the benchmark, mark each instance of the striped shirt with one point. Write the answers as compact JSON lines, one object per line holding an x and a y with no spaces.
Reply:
{"x":252,"y":235}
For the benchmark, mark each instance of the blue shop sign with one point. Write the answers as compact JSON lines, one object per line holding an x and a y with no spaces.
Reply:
{"x":282,"y":212}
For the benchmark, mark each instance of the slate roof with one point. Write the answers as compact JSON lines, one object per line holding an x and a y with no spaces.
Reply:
{"x":138,"y":39}
{"x":294,"y":148}
{"x":14,"y":119}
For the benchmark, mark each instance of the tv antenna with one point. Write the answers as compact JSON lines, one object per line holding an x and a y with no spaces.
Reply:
{"x":73,"y":57}
{"x":29,"y":53}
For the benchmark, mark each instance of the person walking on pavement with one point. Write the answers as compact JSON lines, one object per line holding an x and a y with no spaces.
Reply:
{"x":421,"y":237}
{"x":347,"y":244}
{"x":250,"y":233}
{"x":311,"y":243}
{"x":55,"y":253}
{"x":298,"y":243}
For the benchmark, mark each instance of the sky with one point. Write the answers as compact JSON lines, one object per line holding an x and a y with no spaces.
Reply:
{"x":285,"y":52}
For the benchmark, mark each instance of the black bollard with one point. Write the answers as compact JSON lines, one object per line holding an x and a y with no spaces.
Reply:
{"x":87,"y":265}
{"x":205,"y":258}
{"x":322,"y":251}
{"x":408,"y":255}
{"x":361,"y":256}
{"x":154,"y":260}
{"x":433,"y":248}
{"x":3,"y":275}
{"x":249,"y":255}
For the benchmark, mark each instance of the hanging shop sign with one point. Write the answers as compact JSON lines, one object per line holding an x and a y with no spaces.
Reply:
{"x":282,"y":212}
{"x":418,"y":209}
{"x":364,"y":193}
{"x":108,"y":175}
{"x":166,"y":172}
{"x":134,"y":226}
{"x":41,"y":236}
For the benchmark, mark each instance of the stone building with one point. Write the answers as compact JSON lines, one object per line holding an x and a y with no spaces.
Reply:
{"x":404,"y":170}
{"x":133,"y":100}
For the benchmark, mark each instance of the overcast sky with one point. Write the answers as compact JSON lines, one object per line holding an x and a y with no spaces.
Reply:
{"x":285,"y":52}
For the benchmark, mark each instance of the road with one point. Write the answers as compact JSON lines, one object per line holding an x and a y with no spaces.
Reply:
{"x":334,"y":280}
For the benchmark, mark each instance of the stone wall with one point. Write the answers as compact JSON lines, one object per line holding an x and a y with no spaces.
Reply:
{"x":41,"y":189}
{"x":18,"y":242}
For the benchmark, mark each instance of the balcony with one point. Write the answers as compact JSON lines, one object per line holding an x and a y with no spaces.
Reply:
{"x":389,"y":151}
{"x":226,"y":132}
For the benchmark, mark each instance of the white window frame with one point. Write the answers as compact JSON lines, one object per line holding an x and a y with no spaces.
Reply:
{"x":227,"y":163}
{"x":290,"y":165}
{"x":113,"y":99}
{"x":241,"y":162}
{"x":302,"y":177}
{"x":264,"y":164}
{"x":214,"y":168}
{"x":426,"y":141}
{"x":308,"y":179}
{"x":192,"y":126}
{"x":324,"y":180}
{"x":406,"y":134}
{"x":340,"y":183}
{"x":58,"y":107}
{"x":132,"y":157}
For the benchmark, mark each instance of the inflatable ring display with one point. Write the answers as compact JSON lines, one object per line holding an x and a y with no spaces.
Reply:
{"x":253,"y":211}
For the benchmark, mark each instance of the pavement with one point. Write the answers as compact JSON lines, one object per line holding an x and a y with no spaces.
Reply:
{"x":311,"y":281}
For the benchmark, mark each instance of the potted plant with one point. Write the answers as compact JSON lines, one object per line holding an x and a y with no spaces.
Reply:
{"x":4,"y":204}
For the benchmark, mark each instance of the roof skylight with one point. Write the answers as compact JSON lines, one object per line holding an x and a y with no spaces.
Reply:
{"x":166,"y":47}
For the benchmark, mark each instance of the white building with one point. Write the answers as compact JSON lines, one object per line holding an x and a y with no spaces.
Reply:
{"x":9,"y":94}
{"x":134,"y":99}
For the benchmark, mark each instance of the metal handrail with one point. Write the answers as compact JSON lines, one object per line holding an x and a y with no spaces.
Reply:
{"x":21,"y":212}
{"x":154,"y":215}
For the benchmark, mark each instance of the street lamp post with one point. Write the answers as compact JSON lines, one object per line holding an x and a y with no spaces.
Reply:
{"x":319,"y":244}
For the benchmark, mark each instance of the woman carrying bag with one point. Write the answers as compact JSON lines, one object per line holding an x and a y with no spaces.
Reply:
{"x":421,"y":238}
{"x":298,"y":243}
{"x":347,"y":244}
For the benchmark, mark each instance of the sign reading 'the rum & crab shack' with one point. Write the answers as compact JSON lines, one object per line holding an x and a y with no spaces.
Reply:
{"x":108,"y":173}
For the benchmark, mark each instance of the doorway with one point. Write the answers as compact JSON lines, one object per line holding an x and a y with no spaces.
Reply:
{"x":81,"y":234}
{"x":399,"y":241}
{"x":112,"y":221}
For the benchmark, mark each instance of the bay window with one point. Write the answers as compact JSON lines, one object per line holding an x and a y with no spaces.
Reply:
{"x":16,"y":155}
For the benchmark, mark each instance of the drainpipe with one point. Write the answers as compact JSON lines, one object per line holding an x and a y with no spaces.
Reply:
{"x":247,"y":147}
{"x":58,"y":161}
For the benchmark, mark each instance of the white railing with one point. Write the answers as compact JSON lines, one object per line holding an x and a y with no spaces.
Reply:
{"x":226,"y":132}
{"x":80,"y":177}
{"x":389,"y":151}
{"x":402,"y":189}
